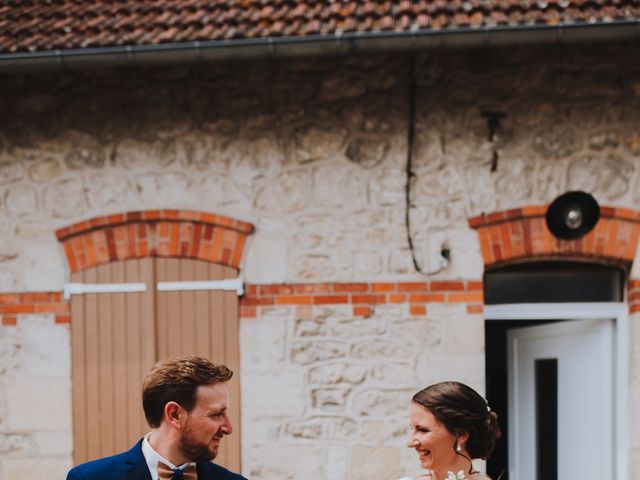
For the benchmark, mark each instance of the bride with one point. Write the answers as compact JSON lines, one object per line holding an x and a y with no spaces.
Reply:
{"x":451,"y":424}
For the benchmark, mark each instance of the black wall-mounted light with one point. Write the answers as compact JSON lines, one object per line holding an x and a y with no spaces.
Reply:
{"x":572,"y":215}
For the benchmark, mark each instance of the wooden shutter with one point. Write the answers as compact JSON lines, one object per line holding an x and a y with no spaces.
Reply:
{"x":117,"y":337}
{"x":203,"y":322}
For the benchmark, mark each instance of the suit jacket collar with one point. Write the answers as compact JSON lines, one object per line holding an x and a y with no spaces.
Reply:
{"x":136,"y":463}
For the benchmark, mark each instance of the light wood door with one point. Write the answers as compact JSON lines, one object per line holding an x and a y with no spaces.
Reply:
{"x":117,"y":337}
{"x":203,"y":322}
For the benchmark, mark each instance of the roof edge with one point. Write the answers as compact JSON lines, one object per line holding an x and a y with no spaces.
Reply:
{"x":336,"y":44}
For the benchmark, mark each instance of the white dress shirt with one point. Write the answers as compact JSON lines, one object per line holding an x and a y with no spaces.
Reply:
{"x":152,"y":457}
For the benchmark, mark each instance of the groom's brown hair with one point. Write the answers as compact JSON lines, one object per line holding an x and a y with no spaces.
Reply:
{"x":177,"y":379}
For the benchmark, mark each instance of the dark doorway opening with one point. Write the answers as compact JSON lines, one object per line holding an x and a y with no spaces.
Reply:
{"x":540,"y":282}
{"x":495,"y":334}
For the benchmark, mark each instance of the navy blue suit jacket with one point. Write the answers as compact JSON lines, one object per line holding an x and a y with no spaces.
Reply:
{"x":131,"y":465}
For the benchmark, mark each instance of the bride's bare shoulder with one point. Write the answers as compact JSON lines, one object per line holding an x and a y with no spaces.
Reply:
{"x":479,"y":476}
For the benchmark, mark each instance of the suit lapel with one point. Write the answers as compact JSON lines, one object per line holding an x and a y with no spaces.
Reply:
{"x":205,"y":471}
{"x":136,"y":465}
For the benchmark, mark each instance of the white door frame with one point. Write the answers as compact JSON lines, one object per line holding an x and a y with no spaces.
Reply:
{"x":619,"y":312}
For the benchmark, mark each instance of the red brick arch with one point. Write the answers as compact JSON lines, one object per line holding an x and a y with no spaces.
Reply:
{"x":154,"y":233}
{"x":521,"y":234}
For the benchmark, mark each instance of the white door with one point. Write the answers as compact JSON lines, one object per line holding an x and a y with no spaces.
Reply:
{"x":574,"y":359}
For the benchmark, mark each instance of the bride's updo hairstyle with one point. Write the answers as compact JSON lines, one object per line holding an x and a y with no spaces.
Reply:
{"x":461,"y":409}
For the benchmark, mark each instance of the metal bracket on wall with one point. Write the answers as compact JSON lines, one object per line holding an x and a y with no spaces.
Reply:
{"x":227,"y":285}
{"x":82,"y":288}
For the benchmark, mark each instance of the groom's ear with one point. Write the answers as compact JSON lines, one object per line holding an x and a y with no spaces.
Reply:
{"x":173,"y":413}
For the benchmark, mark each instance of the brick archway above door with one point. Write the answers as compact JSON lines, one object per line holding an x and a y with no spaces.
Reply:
{"x":154,"y":233}
{"x":522,"y":234}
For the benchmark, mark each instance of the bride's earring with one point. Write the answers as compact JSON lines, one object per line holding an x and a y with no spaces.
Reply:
{"x":458,"y":447}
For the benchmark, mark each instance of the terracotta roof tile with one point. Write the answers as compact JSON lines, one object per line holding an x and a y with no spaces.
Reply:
{"x":40,"y":25}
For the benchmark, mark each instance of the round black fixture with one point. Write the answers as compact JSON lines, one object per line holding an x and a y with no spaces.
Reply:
{"x":572,"y":215}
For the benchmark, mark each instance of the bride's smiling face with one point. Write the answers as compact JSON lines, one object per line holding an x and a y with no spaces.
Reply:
{"x":431,"y":439}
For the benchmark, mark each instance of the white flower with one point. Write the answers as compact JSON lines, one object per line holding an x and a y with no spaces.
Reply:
{"x":458,"y":476}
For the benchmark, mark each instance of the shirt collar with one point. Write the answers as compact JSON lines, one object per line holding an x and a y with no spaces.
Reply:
{"x":152,"y":458}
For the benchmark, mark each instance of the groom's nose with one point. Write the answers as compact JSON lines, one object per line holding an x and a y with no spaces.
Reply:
{"x":226,"y":427}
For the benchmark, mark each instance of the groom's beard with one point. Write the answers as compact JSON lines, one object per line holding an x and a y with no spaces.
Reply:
{"x":195,"y":451}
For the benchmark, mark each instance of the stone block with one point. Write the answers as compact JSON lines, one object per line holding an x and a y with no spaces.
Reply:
{"x":283,"y":461}
{"x":31,"y":230}
{"x":434,"y":367}
{"x":109,"y":191}
{"x":608,"y":178}
{"x":382,"y":403}
{"x":310,"y":327}
{"x":399,"y":374}
{"x":388,"y":187}
{"x":337,"y":373}
{"x":287,"y":193}
{"x":466,"y":258}
{"x":330,"y":399}
{"x":27,"y":411}
{"x":337,"y":462}
{"x":305,"y":353}
{"x":163,"y":188}
{"x":16,"y":445}
{"x":418,"y":333}
{"x":222,"y":195}
{"x":465,"y":334}
{"x":260,"y":428}
{"x":10,"y":347}
{"x":54,"y":443}
{"x":43,"y":268}
{"x":375,"y":431}
{"x":322,"y":428}
{"x":333,"y":312}
{"x":310,"y":143}
{"x":368,"y":152}
{"x":35,"y":468}
{"x":20,"y":201}
{"x":359,"y":328}
{"x":337,"y":185}
{"x":263,"y":341}
{"x":381,"y":349}
{"x":280,"y":393}
{"x":10,"y":170}
{"x":65,"y":198}
{"x":266,"y":258}
{"x":375,"y":462}
{"x":313,"y":267}
{"x":364,"y":263}
{"x":44,"y":348}
{"x":45,"y":169}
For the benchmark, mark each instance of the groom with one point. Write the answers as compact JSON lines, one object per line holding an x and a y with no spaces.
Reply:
{"x":185,"y":402}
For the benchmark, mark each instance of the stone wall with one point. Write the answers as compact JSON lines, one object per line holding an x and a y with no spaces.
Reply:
{"x":313,"y":153}
{"x":345,"y":385}
{"x":35,"y":399}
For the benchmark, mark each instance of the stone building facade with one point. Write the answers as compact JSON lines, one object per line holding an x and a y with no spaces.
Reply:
{"x":337,"y":330}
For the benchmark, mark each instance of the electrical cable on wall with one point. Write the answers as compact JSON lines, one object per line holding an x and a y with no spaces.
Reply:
{"x":444,"y":252}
